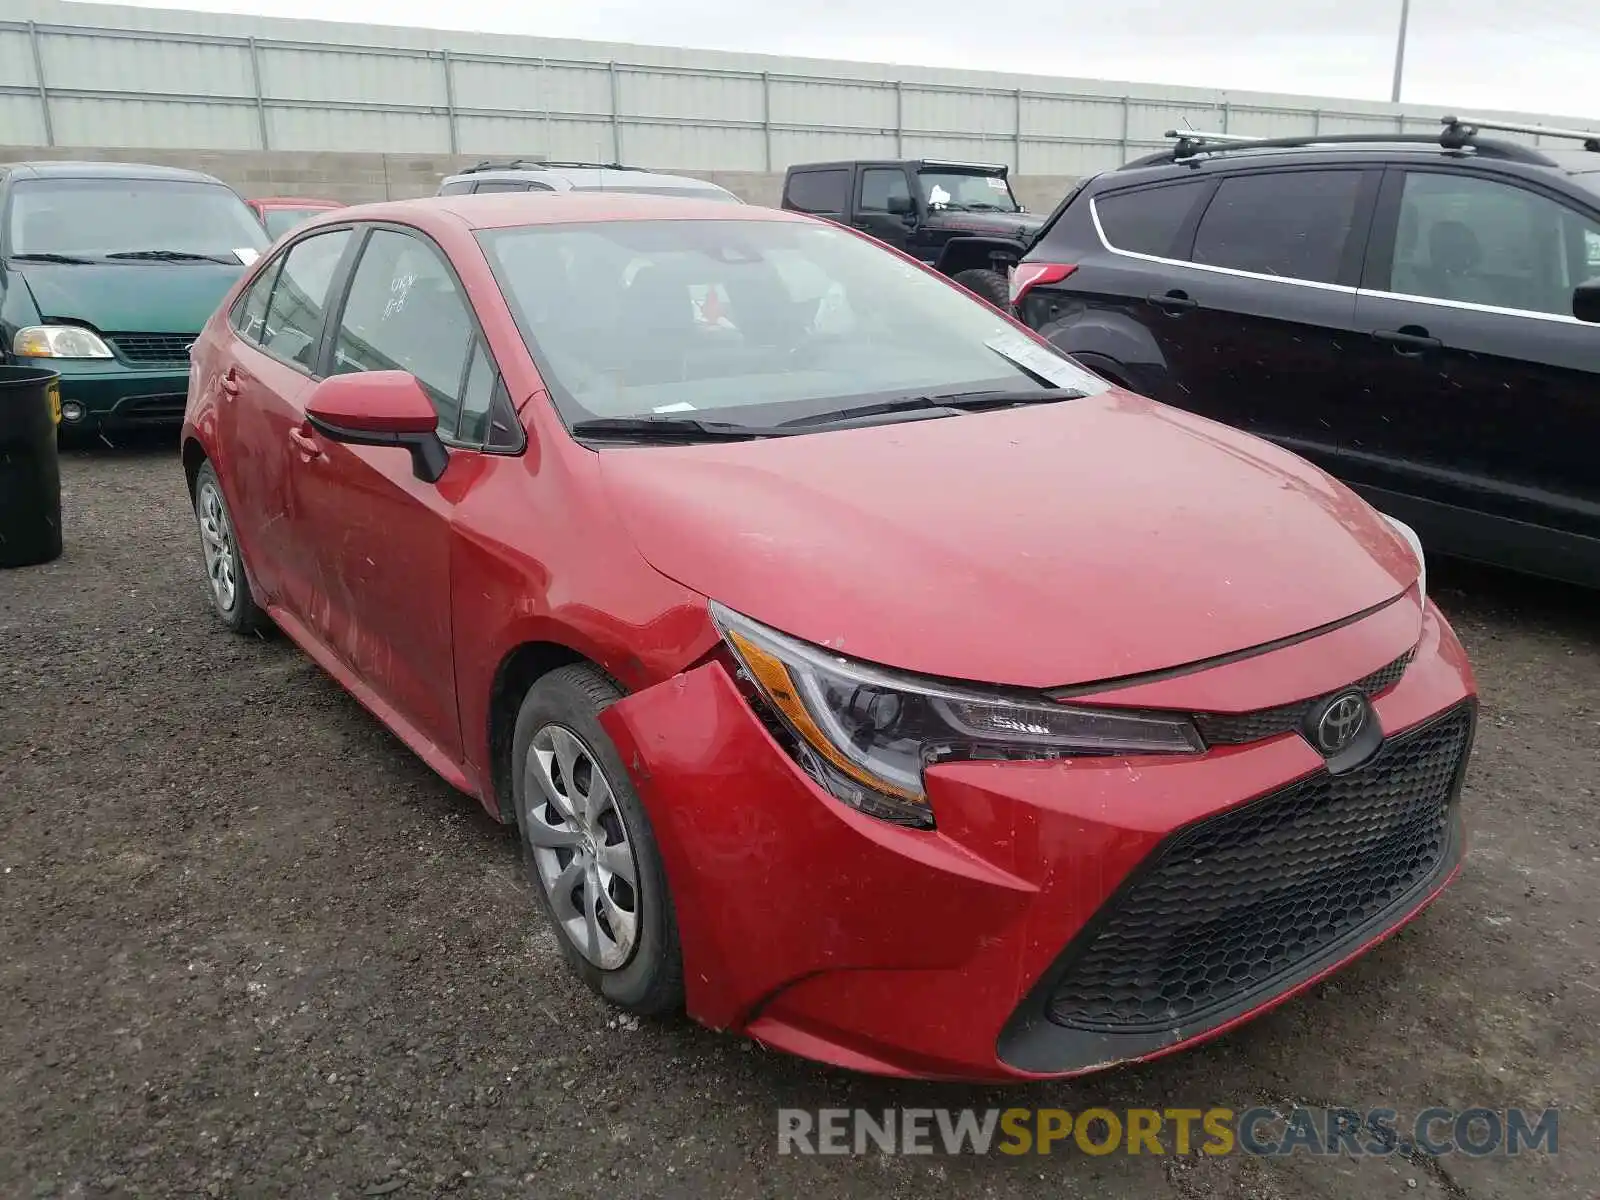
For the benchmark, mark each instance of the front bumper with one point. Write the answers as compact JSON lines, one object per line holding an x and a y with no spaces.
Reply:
{"x":835,"y":936}
{"x":101,"y":392}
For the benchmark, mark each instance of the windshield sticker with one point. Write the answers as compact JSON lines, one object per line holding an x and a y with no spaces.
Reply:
{"x":246,"y":255}
{"x":997,"y":183}
{"x":938,"y":197}
{"x":678,"y":407}
{"x":1030,"y":356}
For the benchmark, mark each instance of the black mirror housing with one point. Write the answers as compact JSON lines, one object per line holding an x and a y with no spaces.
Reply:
{"x":902,"y":206}
{"x":1586,"y":302}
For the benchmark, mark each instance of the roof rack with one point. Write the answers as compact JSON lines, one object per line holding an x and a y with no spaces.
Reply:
{"x":540,"y":164}
{"x":1456,"y":134}
{"x":1469,"y":126}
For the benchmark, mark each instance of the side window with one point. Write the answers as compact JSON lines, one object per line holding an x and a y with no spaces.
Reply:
{"x":1147,"y":221}
{"x":406,"y":313}
{"x":1290,"y":223}
{"x":818,"y":191}
{"x":487,"y":418}
{"x":293,"y":325}
{"x":250,"y":311}
{"x":501,"y":185}
{"x":456,"y":187}
{"x":1477,"y":240}
{"x":878,"y":186}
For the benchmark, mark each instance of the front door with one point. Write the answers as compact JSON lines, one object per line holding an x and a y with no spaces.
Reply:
{"x":1482,"y":389}
{"x":878,"y":191}
{"x":382,"y":538}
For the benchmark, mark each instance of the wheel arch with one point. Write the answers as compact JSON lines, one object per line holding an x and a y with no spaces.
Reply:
{"x":977,"y":253}
{"x":194,"y":457}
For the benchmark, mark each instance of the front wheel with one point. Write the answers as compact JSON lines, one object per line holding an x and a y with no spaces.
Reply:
{"x":987,"y":285}
{"x":588,"y":847}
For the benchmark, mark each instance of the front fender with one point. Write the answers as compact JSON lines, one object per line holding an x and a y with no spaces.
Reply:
{"x":972,"y":252}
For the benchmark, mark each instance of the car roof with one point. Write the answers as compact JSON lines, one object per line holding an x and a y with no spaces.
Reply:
{"x":65,"y":169}
{"x":948,"y":164}
{"x":587,"y":177}
{"x":502,"y":210}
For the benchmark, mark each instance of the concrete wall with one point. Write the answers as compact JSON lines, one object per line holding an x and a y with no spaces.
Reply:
{"x":362,"y":177}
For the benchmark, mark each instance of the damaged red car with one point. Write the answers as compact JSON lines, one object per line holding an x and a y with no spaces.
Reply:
{"x":859,"y":673}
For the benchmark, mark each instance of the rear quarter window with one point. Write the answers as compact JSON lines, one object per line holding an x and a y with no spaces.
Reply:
{"x":818,"y":191}
{"x":1148,"y":220}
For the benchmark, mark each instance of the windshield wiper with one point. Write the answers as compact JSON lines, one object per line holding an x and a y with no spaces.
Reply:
{"x":172,"y":256}
{"x":953,"y":401}
{"x":50,"y":257}
{"x":670,"y":429}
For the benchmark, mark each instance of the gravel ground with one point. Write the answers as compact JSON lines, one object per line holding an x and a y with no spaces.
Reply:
{"x":250,"y":946}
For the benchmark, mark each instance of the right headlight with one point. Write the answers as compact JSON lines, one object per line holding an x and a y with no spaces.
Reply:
{"x":1412,"y":540}
{"x":865,"y":733}
{"x":59,"y":341}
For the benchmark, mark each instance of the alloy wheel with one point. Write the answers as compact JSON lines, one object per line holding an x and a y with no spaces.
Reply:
{"x":581,"y":847}
{"x":216,"y":541}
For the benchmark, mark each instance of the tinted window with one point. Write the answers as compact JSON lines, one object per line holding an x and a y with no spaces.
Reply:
{"x":502,"y":185}
{"x":1289,"y":223}
{"x":743,"y":320}
{"x":1482,"y":242}
{"x":250,"y":313}
{"x":95,"y":217}
{"x":406,"y":313}
{"x":1147,"y":221}
{"x":457,"y":187}
{"x":300,"y":299}
{"x":818,"y":191}
{"x":878,"y":186}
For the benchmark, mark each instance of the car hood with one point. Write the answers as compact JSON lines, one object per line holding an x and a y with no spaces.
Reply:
{"x":130,"y":297}
{"x":1016,"y":225}
{"x":1035,"y":547}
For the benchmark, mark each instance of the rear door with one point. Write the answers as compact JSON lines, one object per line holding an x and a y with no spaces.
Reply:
{"x":1480,"y":392}
{"x":267,"y":369}
{"x":1261,"y":321}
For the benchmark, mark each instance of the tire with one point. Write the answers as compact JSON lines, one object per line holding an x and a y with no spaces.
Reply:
{"x":558,"y":731}
{"x":226,"y":582}
{"x":987,"y":285}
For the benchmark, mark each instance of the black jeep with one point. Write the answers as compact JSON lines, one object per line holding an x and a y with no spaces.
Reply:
{"x":960,"y":217}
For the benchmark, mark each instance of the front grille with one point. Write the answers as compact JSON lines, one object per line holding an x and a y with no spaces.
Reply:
{"x":152,"y":347}
{"x":1251,"y":898}
{"x":152,"y":409}
{"x":1235,"y":729}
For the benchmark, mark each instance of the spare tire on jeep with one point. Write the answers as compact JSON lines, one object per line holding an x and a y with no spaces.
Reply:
{"x":987,"y":285}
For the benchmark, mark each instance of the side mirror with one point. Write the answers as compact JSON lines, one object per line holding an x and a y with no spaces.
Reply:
{"x":902,"y":206}
{"x":380,"y":408}
{"x":1586,"y":302}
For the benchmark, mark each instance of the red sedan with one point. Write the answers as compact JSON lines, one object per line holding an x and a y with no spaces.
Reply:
{"x":857,"y":672}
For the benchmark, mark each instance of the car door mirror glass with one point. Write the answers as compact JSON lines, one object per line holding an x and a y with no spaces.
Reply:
{"x":380,"y":408}
{"x":1586,"y":302}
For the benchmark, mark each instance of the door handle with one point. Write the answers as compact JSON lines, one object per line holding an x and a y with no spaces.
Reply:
{"x":1174,"y":303}
{"x":1409,"y":340}
{"x":305,"y":442}
{"x":229,"y":382}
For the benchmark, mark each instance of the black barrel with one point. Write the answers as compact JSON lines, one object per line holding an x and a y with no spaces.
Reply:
{"x":30,"y":471}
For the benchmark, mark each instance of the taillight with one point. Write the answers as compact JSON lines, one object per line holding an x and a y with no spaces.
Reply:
{"x":1030,"y":275}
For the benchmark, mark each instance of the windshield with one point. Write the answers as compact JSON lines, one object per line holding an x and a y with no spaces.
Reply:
{"x":280,"y":220}
{"x":93,"y":218}
{"x":966,"y":191}
{"x":750,"y":321}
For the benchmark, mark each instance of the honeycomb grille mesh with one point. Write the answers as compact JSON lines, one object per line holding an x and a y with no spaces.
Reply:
{"x":1247,"y":897}
{"x":1234,"y":729}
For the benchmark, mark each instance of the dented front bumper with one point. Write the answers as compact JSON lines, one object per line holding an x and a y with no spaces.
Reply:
{"x":833,"y":935}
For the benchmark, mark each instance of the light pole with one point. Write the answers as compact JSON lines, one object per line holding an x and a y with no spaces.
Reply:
{"x":1400,"y":51}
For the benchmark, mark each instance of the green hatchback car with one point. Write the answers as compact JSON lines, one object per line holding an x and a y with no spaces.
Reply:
{"x":107,"y":273}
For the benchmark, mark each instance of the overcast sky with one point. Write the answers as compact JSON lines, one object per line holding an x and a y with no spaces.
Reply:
{"x":1539,"y":56}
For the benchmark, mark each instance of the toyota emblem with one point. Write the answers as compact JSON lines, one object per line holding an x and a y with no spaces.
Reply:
{"x":1341,"y":722}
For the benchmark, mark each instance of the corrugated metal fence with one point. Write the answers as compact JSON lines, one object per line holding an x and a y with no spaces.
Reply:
{"x":142,"y":79}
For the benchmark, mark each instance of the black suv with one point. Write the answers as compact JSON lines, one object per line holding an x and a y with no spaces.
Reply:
{"x":1415,"y":314}
{"x":960,"y":217}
